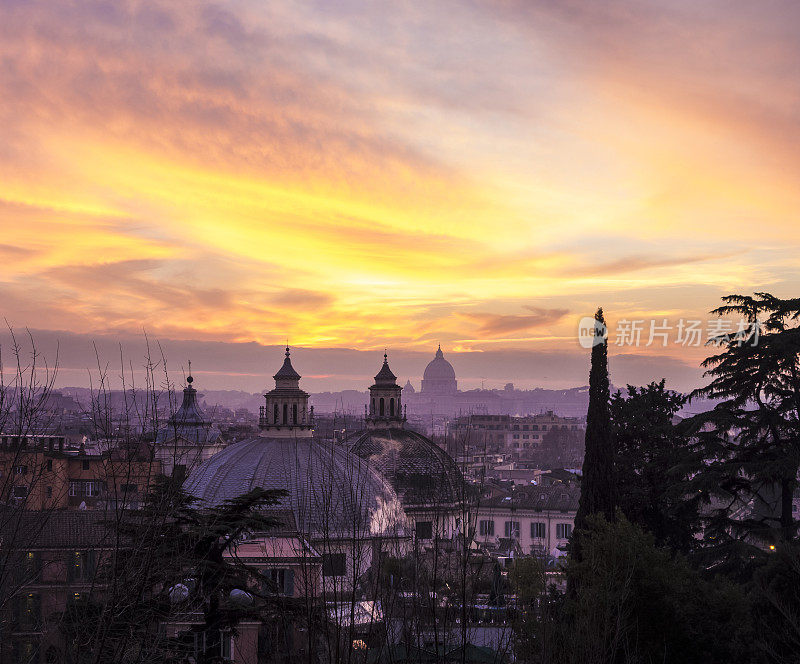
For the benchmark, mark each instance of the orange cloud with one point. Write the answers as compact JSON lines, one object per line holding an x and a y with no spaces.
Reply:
{"x":413,"y":175}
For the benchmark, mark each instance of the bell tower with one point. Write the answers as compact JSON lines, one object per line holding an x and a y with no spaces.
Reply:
{"x":385,"y":401}
{"x":286,"y":413}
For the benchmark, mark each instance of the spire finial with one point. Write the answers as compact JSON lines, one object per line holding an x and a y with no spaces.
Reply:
{"x":189,"y":378}
{"x":287,"y":349}
{"x":385,"y":355}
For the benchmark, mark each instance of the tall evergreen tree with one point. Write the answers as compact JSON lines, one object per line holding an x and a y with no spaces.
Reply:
{"x":597,"y":485}
{"x":650,"y":473}
{"x":748,"y":446}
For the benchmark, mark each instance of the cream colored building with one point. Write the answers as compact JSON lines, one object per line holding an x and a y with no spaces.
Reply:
{"x":539,"y":518}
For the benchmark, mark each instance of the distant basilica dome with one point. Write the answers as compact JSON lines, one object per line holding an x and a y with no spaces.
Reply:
{"x":330,"y":491}
{"x":439,"y":376}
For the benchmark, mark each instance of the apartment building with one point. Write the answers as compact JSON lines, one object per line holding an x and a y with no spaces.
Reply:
{"x":528,"y":432}
{"x":539,"y":518}
{"x":40,"y":472}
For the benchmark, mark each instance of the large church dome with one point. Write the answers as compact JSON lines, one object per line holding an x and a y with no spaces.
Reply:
{"x":330,"y":492}
{"x":421,"y":472}
{"x":439,"y":376}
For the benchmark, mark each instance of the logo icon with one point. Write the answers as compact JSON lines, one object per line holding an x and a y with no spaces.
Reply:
{"x":591,"y":332}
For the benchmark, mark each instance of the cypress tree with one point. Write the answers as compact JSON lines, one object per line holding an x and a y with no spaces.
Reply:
{"x":597,"y":484}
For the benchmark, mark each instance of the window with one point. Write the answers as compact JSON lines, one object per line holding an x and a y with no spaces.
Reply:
{"x":25,"y":649}
{"x":218,"y":644}
{"x":81,"y":566}
{"x":294,"y":413}
{"x":31,"y":567}
{"x":512,"y":529}
{"x":85,"y":488}
{"x":334,"y":564}
{"x":20,"y":470}
{"x":563,"y":530}
{"x":49,"y":492}
{"x":279,"y":580}
{"x":27,"y":611}
{"x":380,"y":406}
{"x":486,"y":527}
{"x":424,"y":529}
{"x":85,"y":464}
{"x":286,"y":413}
{"x":128,"y":488}
{"x":538,"y":530}
{"x":49,"y":465}
{"x":20,"y":491}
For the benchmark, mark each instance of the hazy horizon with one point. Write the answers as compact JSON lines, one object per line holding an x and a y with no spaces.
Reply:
{"x":249,"y":366}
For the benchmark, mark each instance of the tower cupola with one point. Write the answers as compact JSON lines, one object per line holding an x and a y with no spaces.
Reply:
{"x":190,"y":413}
{"x":286,"y":412}
{"x":385,"y":400}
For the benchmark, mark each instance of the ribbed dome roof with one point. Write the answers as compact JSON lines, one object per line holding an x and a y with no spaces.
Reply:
{"x":331,"y":492}
{"x":420,"y":471}
{"x":439,"y":368}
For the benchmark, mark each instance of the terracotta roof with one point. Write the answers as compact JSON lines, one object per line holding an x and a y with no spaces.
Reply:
{"x":60,"y":529}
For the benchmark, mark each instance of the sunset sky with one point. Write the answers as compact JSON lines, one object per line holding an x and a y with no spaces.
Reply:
{"x":351,"y":175}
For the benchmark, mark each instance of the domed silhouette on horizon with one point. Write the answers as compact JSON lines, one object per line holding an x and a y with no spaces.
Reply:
{"x":439,"y":377}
